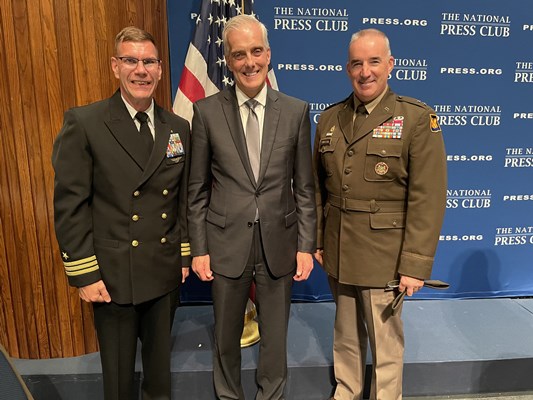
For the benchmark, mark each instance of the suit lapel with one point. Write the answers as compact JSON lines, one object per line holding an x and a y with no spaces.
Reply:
{"x":270,"y":125}
{"x":233,"y":119}
{"x":124,"y":130}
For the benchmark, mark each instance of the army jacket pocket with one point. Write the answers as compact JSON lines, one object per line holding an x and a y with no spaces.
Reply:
{"x":392,"y":220}
{"x":383,"y":160}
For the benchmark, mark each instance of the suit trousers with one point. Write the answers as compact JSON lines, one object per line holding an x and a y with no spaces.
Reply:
{"x":118,"y":327}
{"x":364,"y":315}
{"x":273,"y":299}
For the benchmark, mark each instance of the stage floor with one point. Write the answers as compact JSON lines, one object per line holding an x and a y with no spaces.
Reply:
{"x":452,"y":347}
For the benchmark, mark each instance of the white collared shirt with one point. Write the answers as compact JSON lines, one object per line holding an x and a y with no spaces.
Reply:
{"x":259,"y":109}
{"x":149,"y":111}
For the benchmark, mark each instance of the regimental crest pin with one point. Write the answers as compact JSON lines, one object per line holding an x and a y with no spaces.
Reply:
{"x":331,"y":130}
{"x":381,"y":168}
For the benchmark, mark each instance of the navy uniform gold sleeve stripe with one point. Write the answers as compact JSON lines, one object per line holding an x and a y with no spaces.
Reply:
{"x":185,"y":249}
{"x":82,"y":266}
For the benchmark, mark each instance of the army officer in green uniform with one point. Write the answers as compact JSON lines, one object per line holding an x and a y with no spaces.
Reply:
{"x":381,"y":194}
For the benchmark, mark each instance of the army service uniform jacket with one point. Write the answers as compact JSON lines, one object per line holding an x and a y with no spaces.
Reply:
{"x":119,"y":216}
{"x":381,"y":195}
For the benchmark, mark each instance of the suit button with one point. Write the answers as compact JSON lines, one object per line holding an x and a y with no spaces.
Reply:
{"x":134,"y":243}
{"x":135,"y":217}
{"x":250,"y":224}
{"x":383,"y":151}
{"x":345,"y":188}
{"x":163,"y":240}
{"x":347,"y":171}
{"x":136,"y":193}
{"x":165,"y":192}
{"x":350,"y":153}
{"x":164,"y":216}
{"x":394,"y":223}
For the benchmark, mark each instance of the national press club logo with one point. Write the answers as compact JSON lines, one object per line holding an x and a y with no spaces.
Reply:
{"x":518,"y":157}
{"x":468,"y":198}
{"x":514,"y":236}
{"x":310,"y":19}
{"x":475,"y":24}
{"x":472,"y":115}
{"x":409,"y":69}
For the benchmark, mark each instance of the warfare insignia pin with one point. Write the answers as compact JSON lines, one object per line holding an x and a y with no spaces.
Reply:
{"x":434,"y":123}
{"x":381,"y":168}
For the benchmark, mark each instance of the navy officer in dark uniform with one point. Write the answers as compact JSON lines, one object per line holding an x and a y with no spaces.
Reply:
{"x":121,"y":168}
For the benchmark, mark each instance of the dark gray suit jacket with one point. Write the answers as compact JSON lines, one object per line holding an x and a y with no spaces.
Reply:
{"x":118,"y":217}
{"x":223,"y":194}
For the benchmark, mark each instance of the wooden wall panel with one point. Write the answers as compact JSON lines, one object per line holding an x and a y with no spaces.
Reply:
{"x":55,"y":55}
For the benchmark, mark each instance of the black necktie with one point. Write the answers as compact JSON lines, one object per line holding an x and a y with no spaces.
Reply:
{"x":360,"y":116}
{"x":145,"y":132}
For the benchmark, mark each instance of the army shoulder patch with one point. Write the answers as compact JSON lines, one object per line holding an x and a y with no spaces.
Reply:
{"x":434,"y":123}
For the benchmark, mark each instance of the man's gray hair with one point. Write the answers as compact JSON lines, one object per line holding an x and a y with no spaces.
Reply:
{"x":371,"y":31}
{"x":239,"y":22}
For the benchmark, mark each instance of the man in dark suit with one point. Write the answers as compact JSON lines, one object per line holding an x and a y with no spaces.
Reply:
{"x":251,"y":208}
{"x":381,"y":196}
{"x":121,"y":168}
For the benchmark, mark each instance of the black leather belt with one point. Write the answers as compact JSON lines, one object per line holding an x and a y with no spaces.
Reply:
{"x":370,"y":206}
{"x":398,"y":300}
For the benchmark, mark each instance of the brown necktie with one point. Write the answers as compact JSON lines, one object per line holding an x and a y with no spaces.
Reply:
{"x":360,"y":116}
{"x":252,"y":137}
{"x":145,"y":132}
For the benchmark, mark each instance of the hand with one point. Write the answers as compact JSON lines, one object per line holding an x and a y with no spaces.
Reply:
{"x":412,"y":285}
{"x":319,"y":256}
{"x":201,"y":265}
{"x":95,"y":293}
{"x":184,"y":273}
{"x":304,"y":266}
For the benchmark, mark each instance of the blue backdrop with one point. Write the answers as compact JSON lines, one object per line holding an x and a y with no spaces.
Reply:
{"x":472,"y":62}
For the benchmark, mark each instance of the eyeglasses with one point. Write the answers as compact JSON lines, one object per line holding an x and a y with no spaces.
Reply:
{"x":132,"y":62}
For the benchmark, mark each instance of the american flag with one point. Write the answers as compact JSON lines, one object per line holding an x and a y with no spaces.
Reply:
{"x":205,"y":71}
